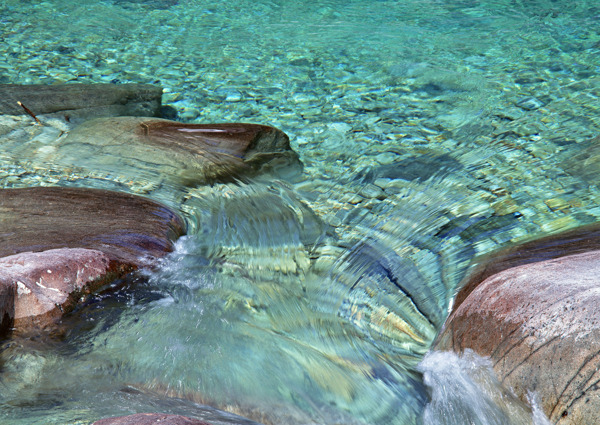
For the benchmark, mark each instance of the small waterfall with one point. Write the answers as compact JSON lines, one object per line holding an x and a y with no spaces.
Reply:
{"x":465,"y":390}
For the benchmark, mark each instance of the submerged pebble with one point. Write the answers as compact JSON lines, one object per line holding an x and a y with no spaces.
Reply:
{"x":529,"y":103}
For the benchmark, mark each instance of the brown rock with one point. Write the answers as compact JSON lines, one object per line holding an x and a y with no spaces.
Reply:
{"x":40,"y":279}
{"x":150,"y":419}
{"x":540,"y":324}
{"x":47,"y":284}
{"x":186,"y":153}
{"x":83,"y":101}
{"x":127,"y":228}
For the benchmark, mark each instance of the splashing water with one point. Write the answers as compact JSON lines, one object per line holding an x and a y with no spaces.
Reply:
{"x":265,"y":311}
{"x":464,"y":390}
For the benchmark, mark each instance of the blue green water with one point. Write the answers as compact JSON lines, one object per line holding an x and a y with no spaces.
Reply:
{"x":431,"y":132}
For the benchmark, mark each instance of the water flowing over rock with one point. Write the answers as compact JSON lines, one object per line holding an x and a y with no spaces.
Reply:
{"x":185,"y":153}
{"x":274,"y":231}
{"x":43,"y":231}
{"x":82,"y":101}
{"x":585,"y":162}
{"x":464,"y":390}
{"x":538,"y":321}
{"x":150,"y":419}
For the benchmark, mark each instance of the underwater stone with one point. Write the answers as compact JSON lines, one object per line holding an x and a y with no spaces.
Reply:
{"x":422,"y":167}
{"x":371,"y":191}
{"x":585,"y":163}
{"x":150,"y":419}
{"x":149,"y":4}
{"x":82,"y":101}
{"x":538,"y":321}
{"x":186,"y":153}
{"x":530,"y":103}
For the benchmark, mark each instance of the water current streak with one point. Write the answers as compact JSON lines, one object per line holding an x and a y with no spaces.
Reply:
{"x":465,"y":390}
{"x":277,"y":309}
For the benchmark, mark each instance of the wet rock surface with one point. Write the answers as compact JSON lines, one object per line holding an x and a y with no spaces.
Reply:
{"x":189,"y":153}
{"x":536,"y":316}
{"x":150,"y":419}
{"x":45,"y":285}
{"x":575,"y":241}
{"x":127,"y":228}
{"x":81,"y":101}
{"x":58,"y":243}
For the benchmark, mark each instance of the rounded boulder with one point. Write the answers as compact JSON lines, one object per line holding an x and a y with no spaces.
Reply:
{"x":540,"y":325}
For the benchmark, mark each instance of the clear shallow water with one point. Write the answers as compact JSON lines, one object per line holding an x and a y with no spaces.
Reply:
{"x":313,"y":301}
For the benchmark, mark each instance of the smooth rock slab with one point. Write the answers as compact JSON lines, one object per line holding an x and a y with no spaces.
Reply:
{"x":45,"y":285}
{"x":82,"y":101}
{"x":540,"y":324}
{"x":129,"y":229}
{"x":150,"y":419}
{"x":168,"y":150}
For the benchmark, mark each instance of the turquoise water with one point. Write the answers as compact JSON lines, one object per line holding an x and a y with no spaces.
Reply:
{"x":431,"y":132}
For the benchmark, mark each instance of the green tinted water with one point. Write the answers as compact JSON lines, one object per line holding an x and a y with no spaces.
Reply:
{"x":309,"y":302}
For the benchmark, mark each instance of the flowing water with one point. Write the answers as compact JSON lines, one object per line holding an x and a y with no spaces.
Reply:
{"x":431,"y":132}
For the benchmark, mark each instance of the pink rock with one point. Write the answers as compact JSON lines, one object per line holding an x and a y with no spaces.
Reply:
{"x":573,"y":241}
{"x":150,"y":419}
{"x":58,"y":243}
{"x":540,"y":324}
{"x":47,"y":284}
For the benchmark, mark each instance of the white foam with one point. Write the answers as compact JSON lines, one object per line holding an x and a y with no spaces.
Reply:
{"x":464,"y":390}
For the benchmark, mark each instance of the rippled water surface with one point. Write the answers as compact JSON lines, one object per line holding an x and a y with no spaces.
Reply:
{"x":431,"y":132}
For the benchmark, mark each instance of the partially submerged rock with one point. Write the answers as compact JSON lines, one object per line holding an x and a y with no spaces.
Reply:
{"x":574,"y":241}
{"x":150,"y":419}
{"x":168,"y":150}
{"x":45,"y":285}
{"x":82,"y":101}
{"x":538,"y":321}
{"x":127,"y":228}
{"x":43,"y":267}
